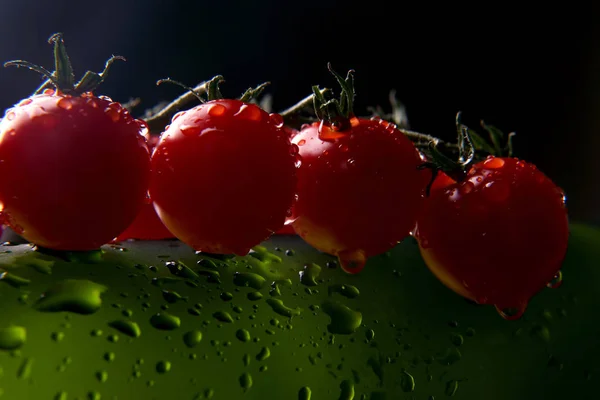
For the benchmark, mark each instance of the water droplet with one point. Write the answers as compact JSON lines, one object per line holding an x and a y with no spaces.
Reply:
{"x":192,"y":338}
{"x":163,"y":367}
{"x":309,"y":275}
{"x":346,"y":390}
{"x":65,"y":103}
{"x":128,"y":328}
{"x":451,"y":388}
{"x":165,"y":321}
{"x":102,"y":376}
{"x":407,"y":382}
{"x":248,"y":279}
{"x":24,"y":102}
{"x":109,"y":356}
{"x":13,"y":280}
{"x":493,"y":162}
{"x":254,"y":296}
{"x":226,"y":296}
{"x":512,"y":313}
{"x":24,"y":371}
{"x":304,"y":393}
{"x":263,"y":354}
{"x":245,"y":381}
{"x":249,"y":112}
{"x":223,"y":316}
{"x":112,"y":113}
{"x":302,"y":142}
{"x":177,"y":115}
{"x":457,"y":339}
{"x":93,"y":395}
{"x":191,"y":130}
{"x":278,"y":306}
{"x":343,"y":319}
{"x":556,"y":282}
{"x":73,"y":295}
{"x":352,"y":261}
{"x":276,"y":120}
{"x":243,"y":335}
{"x":348,"y":291}
{"x":10,"y":115}
{"x":12,"y":337}
{"x":62,"y":395}
{"x":217,"y":110}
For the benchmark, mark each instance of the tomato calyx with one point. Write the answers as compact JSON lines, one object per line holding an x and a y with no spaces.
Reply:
{"x":335,"y":113}
{"x":63,"y":78}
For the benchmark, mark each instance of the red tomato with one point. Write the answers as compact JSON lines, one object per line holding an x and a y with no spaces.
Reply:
{"x":497,"y":237}
{"x":359,"y":190}
{"x":224,"y":176}
{"x":147,"y":225}
{"x":75,"y":170}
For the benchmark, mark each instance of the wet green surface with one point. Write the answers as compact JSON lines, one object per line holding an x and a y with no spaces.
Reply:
{"x":154,"y":320}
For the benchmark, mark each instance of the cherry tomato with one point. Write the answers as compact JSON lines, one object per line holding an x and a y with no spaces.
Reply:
{"x":75,"y":170}
{"x":359,"y":190}
{"x":224,"y":176}
{"x":147,"y":225}
{"x":498,"y":236}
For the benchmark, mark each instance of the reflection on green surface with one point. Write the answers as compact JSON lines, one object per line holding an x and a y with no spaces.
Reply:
{"x":160,"y":322}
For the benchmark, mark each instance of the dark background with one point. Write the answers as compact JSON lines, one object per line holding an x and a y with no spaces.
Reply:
{"x":535,"y":71}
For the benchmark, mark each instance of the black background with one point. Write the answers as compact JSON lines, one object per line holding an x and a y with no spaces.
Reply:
{"x":532,"y":70}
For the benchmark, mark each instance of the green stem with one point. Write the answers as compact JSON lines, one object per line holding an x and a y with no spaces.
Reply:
{"x":62,"y":65}
{"x":157,"y":122}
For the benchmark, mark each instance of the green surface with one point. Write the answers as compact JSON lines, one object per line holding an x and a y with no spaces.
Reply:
{"x":147,"y":320}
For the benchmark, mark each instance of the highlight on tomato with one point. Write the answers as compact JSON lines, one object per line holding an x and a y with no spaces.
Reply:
{"x":360,"y":187}
{"x":224,"y":173}
{"x":75,"y":166}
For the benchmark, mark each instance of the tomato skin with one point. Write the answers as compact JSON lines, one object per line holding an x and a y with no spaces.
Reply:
{"x":359,"y":191}
{"x":75,"y":170}
{"x":147,"y":225}
{"x":224,"y":176}
{"x":499,"y":236}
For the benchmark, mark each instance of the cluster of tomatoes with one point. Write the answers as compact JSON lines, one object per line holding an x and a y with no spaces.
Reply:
{"x":77,"y":171}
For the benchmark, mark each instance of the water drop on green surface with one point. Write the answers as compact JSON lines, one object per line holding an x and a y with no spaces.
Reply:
{"x":209,"y":393}
{"x":163,"y":367}
{"x":370,"y":334}
{"x":243,"y":335}
{"x":109,"y":356}
{"x":245,"y":381}
{"x":12,"y":337}
{"x":277,"y":285}
{"x":165,"y":321}
{"x":343,"y":319}
{"x":94,"y":395}
{"x":24,"y":371}
{"x":457,"y":339}
{"x":262,"y":254}
{"x":278,"y":306}
{"x":223,"y":316}
{"x":102,"y":376}
{"x":254,"y":296}
{"x":346,"y":390}
{"x":304,"y":393}
{"x":451,"y":388}
{"x":192,"y":338}
{"x":264,"y":353}
{"x":74,"y":295}
{"x":62,"y":395}
{"x":226,"y":296}
{"x":128,"y":328}
{"x":57,"y":336}
{"x":96,"y":332}
{"x":246,"y":359}
{"x":248,"y":279}
{"x":345,"y":290}
{"x":407,"y":382}
{"x":309,"y":275}
{"x":13,"y":280}
{"x":451,"y":356}
{"x":171,"y":296}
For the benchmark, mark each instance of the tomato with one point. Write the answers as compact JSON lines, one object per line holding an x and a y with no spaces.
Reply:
{"x":496,"y":237}
{"x":75,"y":170}
{"x":359,"y":189}
{"x":147,"y":225}
{"x":224,"y":176}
